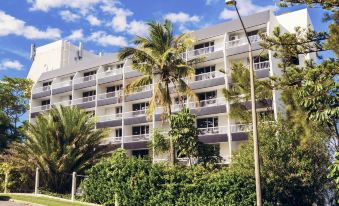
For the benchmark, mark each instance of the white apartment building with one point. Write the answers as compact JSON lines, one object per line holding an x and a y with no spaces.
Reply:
{"x":65,"y":74}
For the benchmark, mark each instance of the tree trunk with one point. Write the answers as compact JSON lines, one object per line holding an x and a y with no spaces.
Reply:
{"x":172,"y":150}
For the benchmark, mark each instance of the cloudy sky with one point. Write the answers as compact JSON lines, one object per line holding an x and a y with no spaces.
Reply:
{"x":104,"y":25}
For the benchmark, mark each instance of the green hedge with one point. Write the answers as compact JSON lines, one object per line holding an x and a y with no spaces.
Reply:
{"x":139,"y":182}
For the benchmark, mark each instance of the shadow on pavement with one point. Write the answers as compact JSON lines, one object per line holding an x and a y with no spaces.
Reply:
{"x":4,"y":198}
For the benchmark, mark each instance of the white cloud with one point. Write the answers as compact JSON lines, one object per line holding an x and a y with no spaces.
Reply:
{"x":119,"y":20}
{"x":11,"y":25}
{"x":76,"y":35}
{"x":69,"y":16}
{"x":246,"y":7}
{"x":209,"y":2}
{"x":103,"y":39}
{"x":46,"y":5}
{"x":137,"y":28}
{"x":94,"y":21}
{"x":11,"y":64}
{"x":181,"y":17}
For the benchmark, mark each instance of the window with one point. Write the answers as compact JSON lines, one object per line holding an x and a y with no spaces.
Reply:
{"x":140,"y":130}
{"x":139,"y":109}
{"x":205,"y":73}
{"x":118,"y":111}
{"x":45,"y":102}
{"x":207,"y":122}
{"x":180,"y":100}
{"x":258,"y":59}
{"x":86,"y":74}
{"x":252,"y":33}
{"x":294,"y":60}
{"x":207,"y":95}
{"x":46,"y":86}
{"x":114,"y":88}
{"x":88,"y":96}
{"x":204,"y":45}
{"x":140,"y":153}
{"x":70,"y":97}
{"x":118,"y":132}
{"x":119,"y":66}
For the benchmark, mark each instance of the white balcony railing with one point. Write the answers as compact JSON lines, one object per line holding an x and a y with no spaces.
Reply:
{"x":235,"y":128}
{"x":109,"y":95}
{"x":136,"y":113}
{"x":261,"y":65}
{"x":111,"y":140}
{"x":213,"y":130}
{"x":110,"y":117}
{"x":41,"y":89}
{"x":40,"y":108}
{"x":242,"y":41}
{"x":83,"y":100}
{"x":63,"y":103}
{"x":109,"y":73}
{"x":84,"y":79}
{"x":137,"y":138}
{"x":142,"y":89}
{"x":62,"y":84}
{"x":199,"y":104}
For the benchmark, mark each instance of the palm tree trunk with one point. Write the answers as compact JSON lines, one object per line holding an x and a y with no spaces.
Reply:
{"x":172,"y":150}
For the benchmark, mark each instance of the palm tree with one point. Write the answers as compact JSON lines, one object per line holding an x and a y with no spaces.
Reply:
{"x":159,"y":57}
{"x":240,"y":92}
{"x":61,"y":141}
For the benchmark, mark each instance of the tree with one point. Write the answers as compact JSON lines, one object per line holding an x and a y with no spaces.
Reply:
{"x":59,"y":142}
{"x":239,"y":93}
{"x":14,"y":96}
{"x":293,"y":169}
{"x":185,"y":134}
{"x":159,"y":57}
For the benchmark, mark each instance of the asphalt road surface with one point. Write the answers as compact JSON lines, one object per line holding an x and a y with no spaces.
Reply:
{"x":9,"y":203}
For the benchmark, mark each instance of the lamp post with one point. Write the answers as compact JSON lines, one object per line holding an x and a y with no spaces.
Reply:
{"x":254,"y":115}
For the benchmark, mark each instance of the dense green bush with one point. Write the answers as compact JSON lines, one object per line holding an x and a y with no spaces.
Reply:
{"x":139,"y":182}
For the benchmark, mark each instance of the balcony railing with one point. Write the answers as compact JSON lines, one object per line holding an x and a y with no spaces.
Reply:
{"x":83,"y":100}
{"x":235,"y":128}
{"x":242,"y":41}
{"x":63,"y":103}
{"x":110,"y":117}
{"x":109,"y":95}
{"x":40,"y":108}
{"x":213,"y":130}
{"x":41,"y":89}
{"x":108,"y":73}
{"x":199,"y":104}
{"x":142,"y":89}
{"x":62,"y":84}
{"x":261,"y":65}
{"x":84,"y":79}
{"x":137,"y":138}
{"x":111,"y":140}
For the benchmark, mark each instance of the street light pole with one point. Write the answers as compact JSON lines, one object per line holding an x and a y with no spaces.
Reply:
{"x":254,"y":115}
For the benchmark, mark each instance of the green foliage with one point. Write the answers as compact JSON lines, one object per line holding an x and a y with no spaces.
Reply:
{"x":160,"y":144}
{"x":334,"y":174}
{"x":293,"y":169}
{"x":14,"y":97}
{"x":59,"y":142}
{"x":239,"y":93}
{"x":139,"y":182}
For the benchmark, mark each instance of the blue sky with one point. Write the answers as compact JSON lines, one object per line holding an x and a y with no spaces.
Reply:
{"x":104,"y":25}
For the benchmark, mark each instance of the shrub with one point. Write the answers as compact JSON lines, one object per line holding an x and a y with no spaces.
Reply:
{"x":137,"y":181}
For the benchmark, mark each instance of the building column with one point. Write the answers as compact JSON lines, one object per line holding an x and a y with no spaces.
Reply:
{"x":123,"y":104}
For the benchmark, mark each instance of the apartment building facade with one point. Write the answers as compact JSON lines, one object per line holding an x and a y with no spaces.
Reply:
{"x":67,"y":75}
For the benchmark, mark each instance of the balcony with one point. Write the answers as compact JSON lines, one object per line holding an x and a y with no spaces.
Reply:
{"x":135,"y":117}
{"x":83,"y":82}
{"x":137,"y":138}
{"x":261,"y":65}
{"x":142,"y":92}
{"x":36,"y":110}
{"x":242,"y":41}
{"x":204,"y":107}
{"x":39,"y":92}
{"x":130,"y":73}
{"x":109,"y":76}
{"x":61,"y":87}
{"x":213,"y":134}
{"x":109,"y":98}
{"x":63,"y":103}
{"x":237,"y":128}
{"x":85,"y":102}
{"x":111,"y":120}
{"x":203,"y":51}
{"x":111,"y":140}
{"x":209,"y":79}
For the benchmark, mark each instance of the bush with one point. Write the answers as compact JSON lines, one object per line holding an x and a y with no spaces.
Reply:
{"x":139,"y":182}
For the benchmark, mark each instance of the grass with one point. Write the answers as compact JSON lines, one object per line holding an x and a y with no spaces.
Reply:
{"x":40,"y":200}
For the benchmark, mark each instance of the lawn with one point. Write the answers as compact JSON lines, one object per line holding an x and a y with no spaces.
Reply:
{"x":40,"y":200}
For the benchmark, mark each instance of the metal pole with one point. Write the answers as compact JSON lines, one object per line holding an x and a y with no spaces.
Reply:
{"x":74,"y":181}
{"x":254,"y":118}
{"x":36,"y":190}
{"x":6,"y":182}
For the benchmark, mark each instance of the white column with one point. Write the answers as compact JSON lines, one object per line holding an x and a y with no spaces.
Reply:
{"x":96,"y":95}
{"x":36,"y":188}
{"x":123,"y":105}
{"x":228,"y":106}
{"x":153,"y":117}
{"x":74,"y":183}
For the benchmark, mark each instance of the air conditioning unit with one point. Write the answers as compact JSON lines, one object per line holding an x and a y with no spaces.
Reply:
{"x":233,"y":37}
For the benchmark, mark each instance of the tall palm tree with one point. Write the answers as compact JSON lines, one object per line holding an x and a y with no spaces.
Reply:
{"x":59,"y":142}
{"x":159,"y":57}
